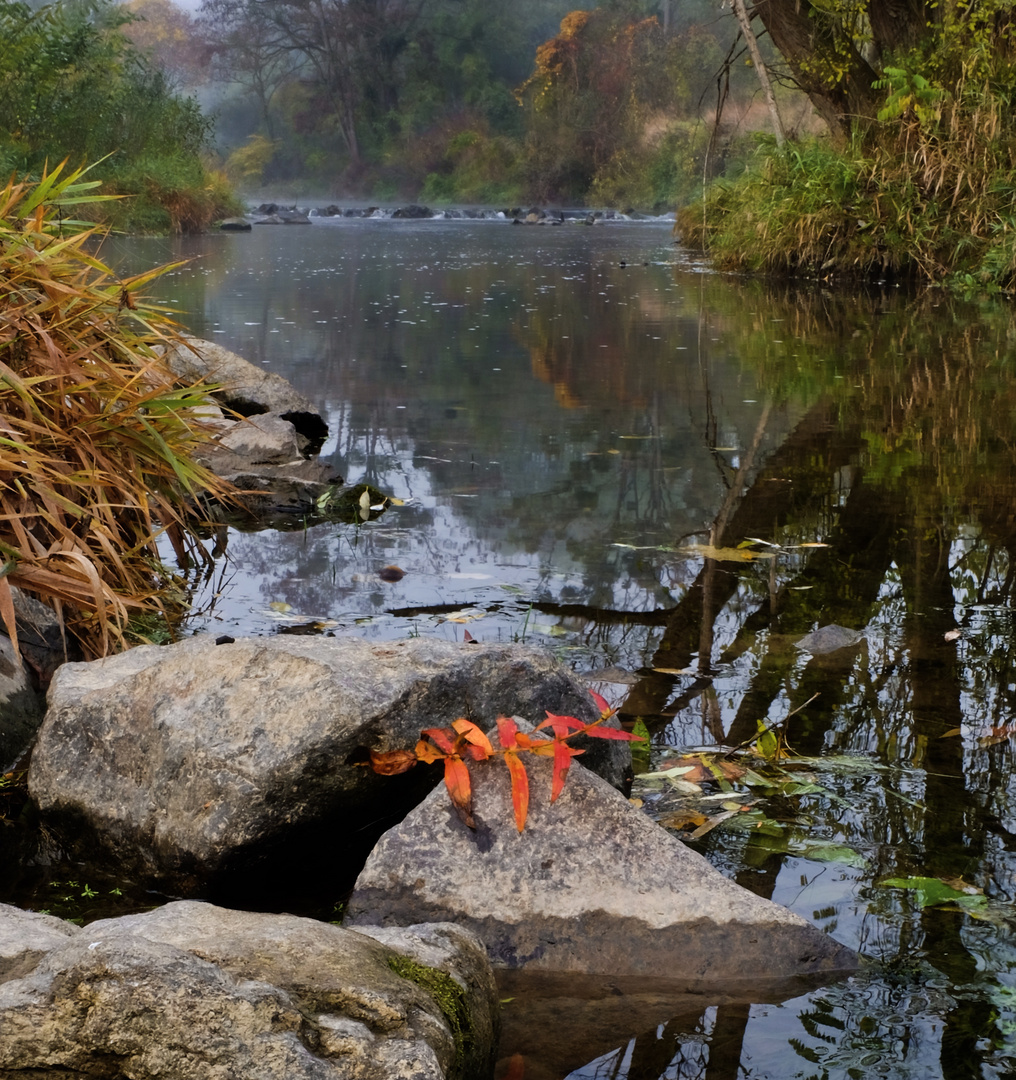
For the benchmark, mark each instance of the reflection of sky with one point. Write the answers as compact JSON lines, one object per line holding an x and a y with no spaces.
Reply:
{"x":550,"y":418}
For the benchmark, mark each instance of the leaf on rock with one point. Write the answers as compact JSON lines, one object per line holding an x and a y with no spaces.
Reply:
{"x":456,"y":778}
{"x":475,"y":737}
{"x":392,"y":762}
{"x":520,"y":788}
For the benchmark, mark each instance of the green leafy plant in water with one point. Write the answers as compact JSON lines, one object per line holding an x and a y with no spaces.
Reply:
{"x":933,"y":892}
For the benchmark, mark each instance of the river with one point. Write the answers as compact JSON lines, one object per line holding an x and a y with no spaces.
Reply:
{"x":668,"y":477}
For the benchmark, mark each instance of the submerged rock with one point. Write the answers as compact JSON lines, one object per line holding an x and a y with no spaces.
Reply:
{"x":827,"y":639}
{"x":591,"y":885}
{"x":240,"y":764}
{"x":192,"y":990}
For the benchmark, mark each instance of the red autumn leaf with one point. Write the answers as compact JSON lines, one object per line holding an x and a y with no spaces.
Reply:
{"x":600,"y":732}
{"x":444,"y":737}
{"x":456,"y":778}
{"x":520,"y":788}
{"x":562,"y":726}
{"x":563,"y":753}
{"x":601,"y":703}
{"x":475,"y":737}
{"x":507,"y":730}
{"x":392,"y":762}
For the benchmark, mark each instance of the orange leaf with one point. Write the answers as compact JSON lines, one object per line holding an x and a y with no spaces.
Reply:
{"x":444,"y":737}
{"x":507,"y":730}
{"x":427,"y":752}
{"x":456,"y":778}
{"x":473,"y":735}
{"x":392,"y":762}
{"x":520,"y":788}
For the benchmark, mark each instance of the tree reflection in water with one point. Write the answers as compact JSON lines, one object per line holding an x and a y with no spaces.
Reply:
{"x":561,"y":430}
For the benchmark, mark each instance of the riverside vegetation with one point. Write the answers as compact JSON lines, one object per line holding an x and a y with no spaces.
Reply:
{"x":97,"y":436}
{"x":915,"y":181}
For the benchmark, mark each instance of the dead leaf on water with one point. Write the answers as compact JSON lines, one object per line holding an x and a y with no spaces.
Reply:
{"x":951,"y":733}
{"x":463,"y":615}
{"x":952,"y":635}
{"x":391,"y":573}
{"x":726,"y":554}
{"x":996,"y":735}
{"x":674,"y":671}
{"x":683,"y":819}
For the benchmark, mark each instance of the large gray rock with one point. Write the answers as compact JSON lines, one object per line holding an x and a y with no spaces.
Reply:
{"x":592,"y":885}
{"x":195,"y":991}
{"x":26,"y":937}
{"x":246,"y":388}
{"x":237,"y":765}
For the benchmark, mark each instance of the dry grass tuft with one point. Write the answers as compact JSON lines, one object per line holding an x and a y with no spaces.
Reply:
{"x":96,"y":436}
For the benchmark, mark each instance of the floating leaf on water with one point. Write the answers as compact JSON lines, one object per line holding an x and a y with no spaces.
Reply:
{"x":682,"y":819}
{"x":827,"y":851}
{"x":280,"y":606}
{"x":463,"y":615}
{"x":550,"y":629}
{"x":951,"y":733}
{"x":813,"y":544}
{"x":391,"y":573}
{"x":715,"y":820}
{"x":933,"y":891}
{"x":674,"y":671}
{"x":725,"y":554}
{"x":995,"y":736}
{"x":613,"y":451}
{"x":952,"y":635}
{"x":669,"y":774}
{"x":364,"y":500}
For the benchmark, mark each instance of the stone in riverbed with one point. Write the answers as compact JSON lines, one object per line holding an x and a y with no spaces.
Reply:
{"x":236,"y":765}
{"x":592,"y":885}
{"x":192,"y":990}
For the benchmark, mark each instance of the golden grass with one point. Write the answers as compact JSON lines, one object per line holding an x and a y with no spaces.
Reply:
{"x":96,"y":436}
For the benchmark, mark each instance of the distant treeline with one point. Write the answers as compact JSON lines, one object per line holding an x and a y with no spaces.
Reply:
{"x":457,"y":100}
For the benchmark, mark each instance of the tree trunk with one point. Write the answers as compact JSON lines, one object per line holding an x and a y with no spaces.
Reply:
{"x":760,"y":69}
{"x":814,"y":45}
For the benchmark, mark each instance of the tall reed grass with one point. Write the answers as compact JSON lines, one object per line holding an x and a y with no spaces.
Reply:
{"x":96,"y":436}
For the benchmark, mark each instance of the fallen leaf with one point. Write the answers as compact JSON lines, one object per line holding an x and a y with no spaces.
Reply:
{"x":392,"y":762}
{"x":391,"y":573}
{"x":456,"y":778}
{"x":952,"y":635}
{"x":683,"y":819}
{"x":726,"y":554}
{"x":520,"y":788}
{"x":712,"y":822}
{"x":996,"y":735}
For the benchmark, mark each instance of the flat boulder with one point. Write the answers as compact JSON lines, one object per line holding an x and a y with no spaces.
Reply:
{"x":592,"y":885}
{"x":193,"y":990}
{"x":240,"y":765}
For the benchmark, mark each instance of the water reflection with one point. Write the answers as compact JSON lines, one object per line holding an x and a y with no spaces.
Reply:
{"x":561,"y":429}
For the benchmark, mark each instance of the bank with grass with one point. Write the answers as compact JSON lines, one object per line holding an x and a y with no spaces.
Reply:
{"x":915,"y":178}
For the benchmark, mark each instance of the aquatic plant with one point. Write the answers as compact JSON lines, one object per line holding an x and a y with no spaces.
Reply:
{"x":96,"y":435}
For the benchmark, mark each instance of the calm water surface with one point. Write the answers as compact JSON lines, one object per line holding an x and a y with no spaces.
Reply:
{"x":668,"y":477}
